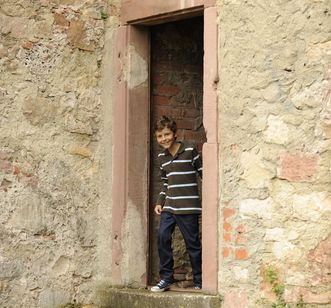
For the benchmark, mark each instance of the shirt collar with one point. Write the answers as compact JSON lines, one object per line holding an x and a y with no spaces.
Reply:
{"x":180,"y":150}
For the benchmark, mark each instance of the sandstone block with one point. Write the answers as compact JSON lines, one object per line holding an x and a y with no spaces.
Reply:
{"x":235,"y":299}
{"x":256,"y":174}
{"x":298,"y":167}
{"x":81,"y":151}
{"x":256,"y":208}
{"x":277,"y":131}
{"x":38,"y":110}
{"x":77,"y":36}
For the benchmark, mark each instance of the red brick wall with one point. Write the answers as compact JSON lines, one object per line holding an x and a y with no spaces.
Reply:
{"x":176,"y":91}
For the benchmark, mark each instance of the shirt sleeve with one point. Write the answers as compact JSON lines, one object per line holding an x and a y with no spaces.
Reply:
{"x":164,"y":186}
{"x":197,"y":161}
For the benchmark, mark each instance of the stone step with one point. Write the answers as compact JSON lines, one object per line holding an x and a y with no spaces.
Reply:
{"x":142,"y":298}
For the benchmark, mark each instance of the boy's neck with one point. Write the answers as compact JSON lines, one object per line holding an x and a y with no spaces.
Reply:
{"x":174,"y":148}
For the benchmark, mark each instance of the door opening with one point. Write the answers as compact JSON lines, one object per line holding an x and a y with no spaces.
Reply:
{"x":176,"y":85}
{"x":131,"y":117}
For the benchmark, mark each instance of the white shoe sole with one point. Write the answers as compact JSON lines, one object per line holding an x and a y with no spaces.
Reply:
{"x":157,"y":289}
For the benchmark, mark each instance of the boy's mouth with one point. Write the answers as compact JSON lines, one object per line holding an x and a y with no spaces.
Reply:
{"x":165,"y":144}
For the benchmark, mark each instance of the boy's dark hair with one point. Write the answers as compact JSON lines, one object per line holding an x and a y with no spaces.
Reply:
{"x":165,"y":122}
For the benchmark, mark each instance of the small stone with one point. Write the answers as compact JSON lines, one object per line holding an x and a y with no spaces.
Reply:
{"x":27,"y":45}
{"x":3,"y":51}
{"x":277,"y":131}
{"x":60,"y":20}
{"x":256,"y":207}
{"x":82,"y":151}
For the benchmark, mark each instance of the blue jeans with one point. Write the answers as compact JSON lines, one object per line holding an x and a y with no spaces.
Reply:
{"x":189,"y":226}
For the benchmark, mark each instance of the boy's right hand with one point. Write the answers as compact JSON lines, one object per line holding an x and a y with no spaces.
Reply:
{"x":158,"y":209}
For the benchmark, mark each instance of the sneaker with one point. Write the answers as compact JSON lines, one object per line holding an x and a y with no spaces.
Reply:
{"x":163,"y":285}
{"x":197,"y":287}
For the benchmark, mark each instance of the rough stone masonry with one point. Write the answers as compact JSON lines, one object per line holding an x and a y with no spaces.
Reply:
{"x":54,"y":245}
{"x":274,"y":98}
{"x":56,"y":164}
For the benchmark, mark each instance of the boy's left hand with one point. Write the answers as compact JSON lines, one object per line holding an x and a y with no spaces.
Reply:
{"x":158,"y":209}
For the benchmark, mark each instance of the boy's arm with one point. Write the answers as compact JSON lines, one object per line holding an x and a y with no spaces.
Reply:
{"x":164,"y":187}
{"x":197,"y":161}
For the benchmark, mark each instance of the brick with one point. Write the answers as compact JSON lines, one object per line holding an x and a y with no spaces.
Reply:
{"x":227,"y":226}
{"x":227,"y":252}
{"x":186,"y":123}
{"x":180,"y":134}
{"x":160,"y":100}
{"x":227,"y":237}
{"x":170,"y":111}
{"x":197,"y":136}
{"x":228,"y":212}
{"x":298,"y":167}
{"x":165,"y":90}
{"x":192,"y":112}
{"x":241,"y":254}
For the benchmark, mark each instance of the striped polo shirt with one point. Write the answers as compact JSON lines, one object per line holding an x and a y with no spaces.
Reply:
{"x":179,"y":193}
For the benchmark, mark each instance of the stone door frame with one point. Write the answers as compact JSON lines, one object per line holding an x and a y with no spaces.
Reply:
{"x":131,"y":144}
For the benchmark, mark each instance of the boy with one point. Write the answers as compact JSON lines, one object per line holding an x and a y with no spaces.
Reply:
{"x":178,"y":202}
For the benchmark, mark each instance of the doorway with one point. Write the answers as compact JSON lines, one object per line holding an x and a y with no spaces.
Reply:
{"x":176,"y":91}
{"x":131,"y":117}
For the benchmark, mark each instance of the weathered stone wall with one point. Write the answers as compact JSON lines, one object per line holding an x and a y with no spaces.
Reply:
{"x":55,"y":151}
{"x":54,"y":211}
{"x":275,"y":152}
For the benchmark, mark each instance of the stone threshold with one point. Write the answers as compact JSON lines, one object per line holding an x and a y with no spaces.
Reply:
{"x":144,"y":298}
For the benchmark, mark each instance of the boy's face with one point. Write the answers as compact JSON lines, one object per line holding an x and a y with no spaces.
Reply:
{"x":165,"y":137}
